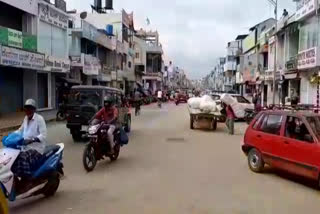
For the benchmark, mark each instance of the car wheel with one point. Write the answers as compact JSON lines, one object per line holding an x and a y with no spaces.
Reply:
{"x":255,"y":161}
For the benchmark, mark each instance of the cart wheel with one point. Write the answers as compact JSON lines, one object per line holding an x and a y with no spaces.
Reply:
{"x":191,"y":122}
{"x":214,"y":124}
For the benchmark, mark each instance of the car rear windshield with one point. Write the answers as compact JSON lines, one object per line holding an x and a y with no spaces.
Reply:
{"x":241,"y":99}
{"x":85,"y":97}
{"x":315,"y":125}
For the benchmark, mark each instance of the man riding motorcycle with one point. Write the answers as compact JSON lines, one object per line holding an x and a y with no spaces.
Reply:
{"x":34,"y":132}
{"x":109,"y":114}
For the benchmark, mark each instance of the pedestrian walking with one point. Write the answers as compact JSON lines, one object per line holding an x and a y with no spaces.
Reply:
{"x":230,"y":119}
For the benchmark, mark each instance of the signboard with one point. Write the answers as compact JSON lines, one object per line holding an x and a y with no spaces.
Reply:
{"x":307,"y":58}
{"x":20,"y":58}
{"x":29,"y":6}
{"x":91,"y":65}
{"x":76,"y":61}
{"x":249,"y":42}
{"x":53,"y":64}
{"x":305,"y":8}
{"x":14,"y":38}
{"x":52,"y":15}
{"x":17,"y":39}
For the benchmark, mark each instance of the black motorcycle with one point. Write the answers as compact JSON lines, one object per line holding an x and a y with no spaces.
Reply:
{"x":99,"y":147}
{"x":249,"y":115}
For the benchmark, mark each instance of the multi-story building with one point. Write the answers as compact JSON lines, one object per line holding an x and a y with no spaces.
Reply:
{"x":252,"y":61}
{"x":230,"y":68}
{"x":123,"y":29}
{"x":34,"y":53}
{"x":149,"y":59}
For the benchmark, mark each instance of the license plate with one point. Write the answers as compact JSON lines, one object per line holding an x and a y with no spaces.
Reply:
{"x":84,"y":128}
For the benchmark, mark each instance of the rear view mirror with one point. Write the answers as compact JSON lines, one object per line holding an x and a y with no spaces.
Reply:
{"x":308,"y":138}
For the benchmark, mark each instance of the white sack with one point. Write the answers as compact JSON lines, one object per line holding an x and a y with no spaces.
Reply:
{"x":228,"y":99}
{"x":194,"y":102}
{"x":206,"y":98}
{"x":239,"y":109}
{"x":208,"y":106}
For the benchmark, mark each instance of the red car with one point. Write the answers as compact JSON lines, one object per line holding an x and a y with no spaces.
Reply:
{"x":286,"y":140}
{"x":182,"y":98}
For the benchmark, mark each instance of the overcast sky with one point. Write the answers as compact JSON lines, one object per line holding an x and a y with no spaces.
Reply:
{"x":194,"y":33}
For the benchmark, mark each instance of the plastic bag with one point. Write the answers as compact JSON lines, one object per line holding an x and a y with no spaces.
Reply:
{"x":124,"y":139}
{"x":13,"y":140}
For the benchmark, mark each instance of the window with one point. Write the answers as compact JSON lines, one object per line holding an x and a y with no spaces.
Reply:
{"x":308,"y":34}
{"x":129,"y":64}
{"x":258,"y":122}
{"x":315,"y":125}
{"x":271,"y":124}
{"x":296,"y":129}
{"x":137,"y":55}
{"x":241,"y":99}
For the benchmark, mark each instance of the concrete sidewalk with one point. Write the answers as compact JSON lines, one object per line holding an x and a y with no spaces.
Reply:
{"x":13,"y":121}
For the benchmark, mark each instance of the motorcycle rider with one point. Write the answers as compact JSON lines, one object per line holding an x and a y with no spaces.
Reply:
{"x":109,"y":114}
{"x":34,"y":132}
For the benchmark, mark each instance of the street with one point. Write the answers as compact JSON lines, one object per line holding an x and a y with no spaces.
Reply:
{"x":168,"y":168}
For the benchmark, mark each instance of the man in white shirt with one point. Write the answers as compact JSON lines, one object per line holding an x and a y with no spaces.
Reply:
{"x":34,"y":132}
{"x":159,"y":94}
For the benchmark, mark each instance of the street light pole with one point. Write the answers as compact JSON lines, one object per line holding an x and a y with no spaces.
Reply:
{"x":275,"y":3}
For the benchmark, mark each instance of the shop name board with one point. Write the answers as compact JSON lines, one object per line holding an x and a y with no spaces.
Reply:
{"x":53,"y":64}
{"x":17,"y":39}
{"x":76,"y":61}
{"x":22,"y":59}
{"x":51,"y":15}
{"x":249,"y":42}
{"x":307,"y":59}
{"x":305,"y":8}
{"x":91,"y":65}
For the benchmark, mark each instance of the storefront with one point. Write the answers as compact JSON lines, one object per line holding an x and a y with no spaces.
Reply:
{"x":18,"y":77}
{"x":308,"y":66}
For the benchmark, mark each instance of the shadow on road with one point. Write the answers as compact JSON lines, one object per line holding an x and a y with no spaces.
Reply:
{"x":291,"y":177}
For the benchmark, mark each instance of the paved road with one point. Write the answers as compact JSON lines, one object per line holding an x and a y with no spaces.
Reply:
{"x":168,"y":168}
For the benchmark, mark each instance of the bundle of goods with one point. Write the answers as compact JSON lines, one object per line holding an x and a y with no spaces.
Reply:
{"x":238,"y":108}
{"x":205,"y":104}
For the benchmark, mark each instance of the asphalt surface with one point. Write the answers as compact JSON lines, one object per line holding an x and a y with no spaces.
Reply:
{"x":168,"y":168}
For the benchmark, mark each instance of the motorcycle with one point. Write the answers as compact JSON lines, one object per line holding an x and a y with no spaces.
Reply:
{"x":249,"y":115}
{"x":99,"y":146}
{"x":45,"y":180}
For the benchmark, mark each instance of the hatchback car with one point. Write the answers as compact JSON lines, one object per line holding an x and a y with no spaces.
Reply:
{"x":286,"y":140}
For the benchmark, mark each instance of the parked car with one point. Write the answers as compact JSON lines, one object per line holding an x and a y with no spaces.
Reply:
{"x":85,"y":101}
{"x":286,"y":140}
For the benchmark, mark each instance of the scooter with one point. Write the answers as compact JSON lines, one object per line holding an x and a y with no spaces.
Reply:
{"x":99,"y":146}
{"x":45,"y":180}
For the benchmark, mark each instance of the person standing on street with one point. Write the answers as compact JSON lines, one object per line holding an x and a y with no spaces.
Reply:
{"x":137,"y":102}
{"x":230,"y":119}
{"x":159,"y":95}
{"x":294,"y":98}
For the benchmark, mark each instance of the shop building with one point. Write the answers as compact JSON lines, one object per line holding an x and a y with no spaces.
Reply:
{"x":20,"y":61}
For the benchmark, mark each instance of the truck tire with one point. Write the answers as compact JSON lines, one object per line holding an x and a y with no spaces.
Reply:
{"x":214,"y":124}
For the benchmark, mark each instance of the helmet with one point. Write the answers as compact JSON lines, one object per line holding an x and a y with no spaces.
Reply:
{"x":108,"y":101}
{"x":30,"y":103}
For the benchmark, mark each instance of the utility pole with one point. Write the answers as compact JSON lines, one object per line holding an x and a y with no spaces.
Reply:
{"x":275,"y":4}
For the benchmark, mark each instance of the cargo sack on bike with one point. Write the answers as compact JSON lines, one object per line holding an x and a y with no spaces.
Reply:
{"x":124,"y":139}
{"x":13,"y":140}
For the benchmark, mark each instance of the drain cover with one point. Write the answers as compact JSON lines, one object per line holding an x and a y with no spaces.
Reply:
{"x":176,"y":139}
